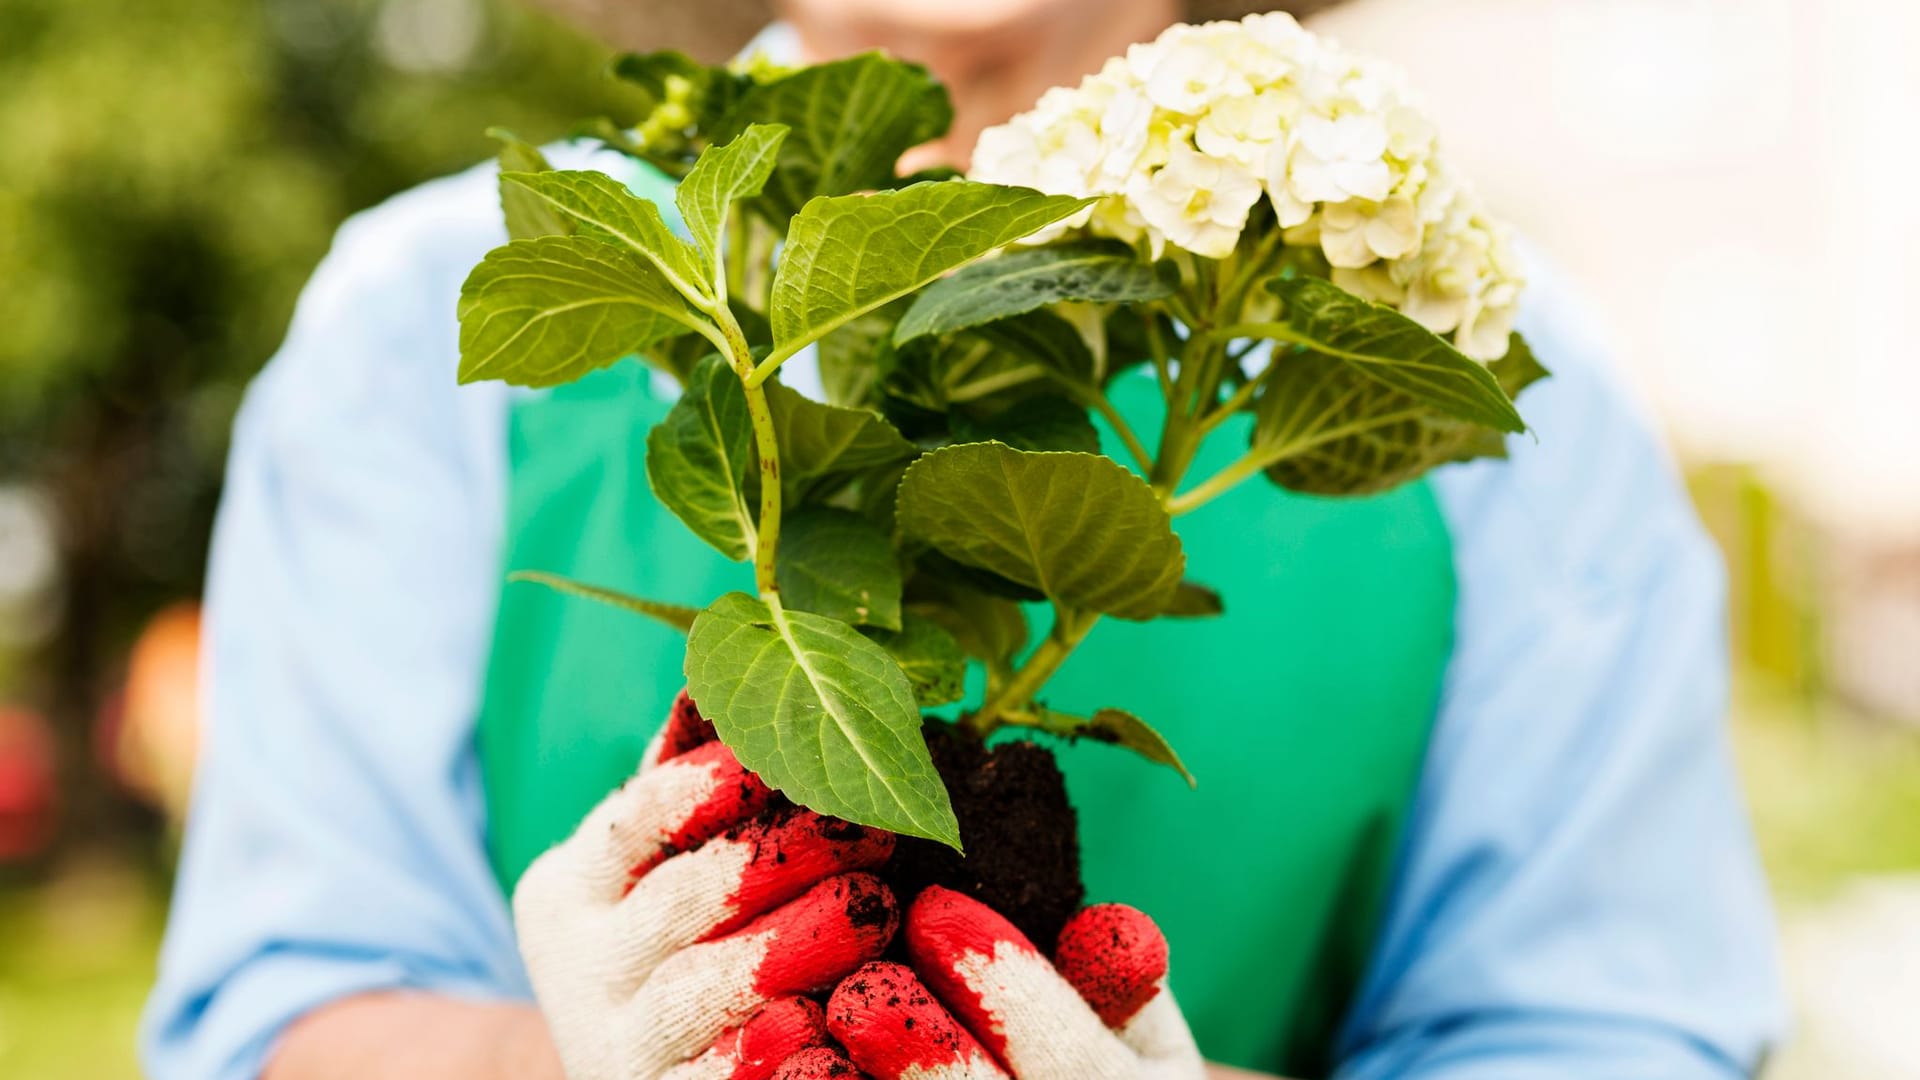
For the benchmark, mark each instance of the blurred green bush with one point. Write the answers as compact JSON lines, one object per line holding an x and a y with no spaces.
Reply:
{"x":169,"y":175}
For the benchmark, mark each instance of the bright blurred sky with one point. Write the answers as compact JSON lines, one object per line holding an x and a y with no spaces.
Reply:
{"x":1732,"y":183}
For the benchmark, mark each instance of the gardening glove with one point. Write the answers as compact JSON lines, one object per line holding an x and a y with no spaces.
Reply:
{"x":669,"y":937}
{"x":981,"y":1003}
{"x":818,"y":1063}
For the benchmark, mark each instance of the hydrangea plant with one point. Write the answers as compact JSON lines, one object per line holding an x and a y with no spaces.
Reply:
{"x":1238,"y":214}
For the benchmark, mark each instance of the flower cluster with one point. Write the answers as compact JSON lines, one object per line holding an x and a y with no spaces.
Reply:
{"x":1186,"y":134}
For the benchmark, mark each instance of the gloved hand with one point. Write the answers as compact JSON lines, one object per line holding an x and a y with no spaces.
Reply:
{"x":669,"y":936}
{"x":980,"y":1002}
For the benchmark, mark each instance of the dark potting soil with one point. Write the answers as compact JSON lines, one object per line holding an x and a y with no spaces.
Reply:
{"x":1021,"y":837}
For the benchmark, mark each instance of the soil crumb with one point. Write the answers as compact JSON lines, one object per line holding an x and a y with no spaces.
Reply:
{"x":1020,"y":832}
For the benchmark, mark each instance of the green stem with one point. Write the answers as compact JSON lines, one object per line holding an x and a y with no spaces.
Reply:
{"x":1216,"y":485}
{"x":732,"y":271}
{"x":1016,"y":694}
{"x":1104,"y":405}
{"x":1261,"y":457}
{"x":1232,"y":405}
{"x":1213,"y":372}
{"x":766,"y":541}
{"x":1256,"y":263}
{"x":1277,"y":332}
{"x":1180,"y":438}
{"x":1165,"y":475}
{"x":1162,"y":360}
{"x":993,"y":384}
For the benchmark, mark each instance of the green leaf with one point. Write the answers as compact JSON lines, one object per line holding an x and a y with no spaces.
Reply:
{"x":874,"y":492}
{"x":602,"y":207}
{"x":681,"y":101}
{"x":1130,"y":341}
{"x":839,"y":564}
{"x":1519,"y":368}
{"x":649,"y":72}
{"x":851,"y":254}
{"x":821,"y":713}
{"x":677,"y":616}
{"x":1043,"y":338}
{"x":1047,"y":422}
{"x":1017,"y":282}
{"x":851,"y":121}
{"x":676,"y":356}
{"x":699,"y":455}
{"x":981,"y":372}
{"x":858,"y":357}
{"x":1192,"y":600}
{"x":930,"y":657}
{"x":825,"y":442}
{"x":1331,"y":430}
{"x":546,"y":311}
{"x":1328,"y":429}
{"x":1390,"y":348}
{"x":1119,"y":728}
{"x":527,"y":215}
{"x":936,"y":563}
{"x":1078,"y":527}
{"x":722,"y":174}
{"x":986,"y":626}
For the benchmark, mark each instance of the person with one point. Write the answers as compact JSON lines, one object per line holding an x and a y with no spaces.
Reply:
{"x":1466,"y":807}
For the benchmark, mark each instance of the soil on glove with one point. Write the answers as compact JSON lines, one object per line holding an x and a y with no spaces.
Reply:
{"x":1020,"y":832}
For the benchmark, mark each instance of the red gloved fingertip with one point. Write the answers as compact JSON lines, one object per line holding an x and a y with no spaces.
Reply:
{"x":891,"y":1024}
{"x":830,"y":930}
{"x":793,"y":852}
{"x":821,"y":1063}
{"x":737,"y":795}
{"x":781,"y":1029}
{"x":1115,"y":956}
{"x":685,"y":728}
{"x":944,"y":928}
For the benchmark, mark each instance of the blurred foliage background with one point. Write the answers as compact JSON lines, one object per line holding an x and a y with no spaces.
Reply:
{"x":170,"y":173}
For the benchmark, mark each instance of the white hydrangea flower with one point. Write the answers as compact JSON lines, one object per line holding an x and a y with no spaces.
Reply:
{"x":1184,"y":135}
{"x":1355,"y":233}
{"x":1191,"y":76}
{"x":1337,"y":160}
{"x":1247,"y":128}
{"x":1197,"y":202}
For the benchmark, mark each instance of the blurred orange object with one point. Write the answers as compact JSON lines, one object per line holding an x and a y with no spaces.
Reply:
{"x":28,"y":797}
{"x":152,"y":741}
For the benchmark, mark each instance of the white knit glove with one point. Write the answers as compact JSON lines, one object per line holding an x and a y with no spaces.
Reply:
{"x":981,"y":1003}
{"x":669,"y":936}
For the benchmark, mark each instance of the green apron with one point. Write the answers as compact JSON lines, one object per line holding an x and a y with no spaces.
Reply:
{"x":1304,"y":711}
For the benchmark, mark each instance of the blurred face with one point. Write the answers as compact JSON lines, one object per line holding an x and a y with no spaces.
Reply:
{"x":997,"y":56}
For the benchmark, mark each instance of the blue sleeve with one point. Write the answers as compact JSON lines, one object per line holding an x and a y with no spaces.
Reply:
{"x":336,"y":840}
{"x":1578,"y":895}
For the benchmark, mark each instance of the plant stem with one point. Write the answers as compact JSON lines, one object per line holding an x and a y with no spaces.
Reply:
{"x":1102,"y":404}
{"x":1232,"y":405}
{"x":1260,"y":457}
{"x":1162,"y":362}
{"x":1069,"y":628}
{"x":731,"y":274}
{"x":1180,"y":438}
{"x":1234,"y":295}
{"x":1216,"y":485}
{"x":766,"y":541}
{"x":1164,"y":475}
{"x":1278,"y":332}
{"x":993,"y":384}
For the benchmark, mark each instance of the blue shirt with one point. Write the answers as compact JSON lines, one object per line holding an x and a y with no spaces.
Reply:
{"x":1578,"y":894}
